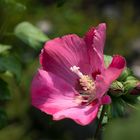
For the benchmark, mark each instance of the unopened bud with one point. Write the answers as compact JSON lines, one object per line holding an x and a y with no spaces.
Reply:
{"x":136,"y":90}
{"x":127,"y":72}
{"x":116,"y":88}
{"x":130,"y":84}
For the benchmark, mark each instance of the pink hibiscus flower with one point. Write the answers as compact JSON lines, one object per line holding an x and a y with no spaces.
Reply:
{"x":73,"y":80}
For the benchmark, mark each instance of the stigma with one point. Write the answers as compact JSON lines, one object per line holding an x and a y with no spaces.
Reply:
{"x":76,"y":70}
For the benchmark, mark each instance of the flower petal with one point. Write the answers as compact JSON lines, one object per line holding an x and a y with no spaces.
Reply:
{"x":115,"y":69}
{"x":101,"y":86}
{"x":82,"y":115}
{"x":51,"y":93}
{"x":60,"y":54}
{"x":106,"y":99}
{"x":104,"y":80}
{"x":95,"y":39}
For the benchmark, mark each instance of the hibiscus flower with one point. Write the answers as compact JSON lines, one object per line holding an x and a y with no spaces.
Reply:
{"x":73,"y":81}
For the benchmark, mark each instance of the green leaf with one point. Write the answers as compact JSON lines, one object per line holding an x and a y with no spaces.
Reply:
{"x":4,"y":91}
{"x":10,"y":63}
{"x":107,"y":60}
{"x":130,"y":83}
{"x":117,"y":108}
{"x":131,"y":99}
{"x":4,"y":48}
{"x":30,"y":35}
{"x":138,"y":98}
{"x":126,"y":72}
{"x":3,"y":118}
{"x":13,"y":5}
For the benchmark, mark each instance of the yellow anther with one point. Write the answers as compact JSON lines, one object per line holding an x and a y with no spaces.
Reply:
{"x":87,"y":83}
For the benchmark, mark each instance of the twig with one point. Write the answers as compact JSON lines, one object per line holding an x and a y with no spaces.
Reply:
{"x":99,"y":126}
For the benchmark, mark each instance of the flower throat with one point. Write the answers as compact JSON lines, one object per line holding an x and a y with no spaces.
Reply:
{"x":87,"y":84}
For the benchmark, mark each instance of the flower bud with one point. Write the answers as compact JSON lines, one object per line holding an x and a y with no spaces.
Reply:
{"x":116,"y":88}
{"x":131,"y":85}
{"x":136,"y":90}
{"x":127,"y":72}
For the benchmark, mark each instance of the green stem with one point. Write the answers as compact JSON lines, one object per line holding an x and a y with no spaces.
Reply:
{"x":99,"y":123}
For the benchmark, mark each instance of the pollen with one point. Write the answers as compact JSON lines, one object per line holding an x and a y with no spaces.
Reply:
{"x":85,"y":81}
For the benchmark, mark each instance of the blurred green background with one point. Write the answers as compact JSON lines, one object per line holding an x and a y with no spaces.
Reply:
{"x":19,"y":58}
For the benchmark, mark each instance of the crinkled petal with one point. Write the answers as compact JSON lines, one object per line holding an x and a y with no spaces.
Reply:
{"x":60,"y":54}
{"x":81,"y":115}
{"x":95,"y":39}
{"x":115,"y":69}
{"x":51,"y":93}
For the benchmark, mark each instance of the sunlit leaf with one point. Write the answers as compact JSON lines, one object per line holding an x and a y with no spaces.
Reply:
{"x":107,"y":60}
{"x":12,"y":4}
{"x":30,"y":34}
{"x":4,"y":48}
